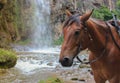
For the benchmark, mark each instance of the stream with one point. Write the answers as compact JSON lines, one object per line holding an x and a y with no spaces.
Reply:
{"x":33,"y":66}
{"x":40,"y":60}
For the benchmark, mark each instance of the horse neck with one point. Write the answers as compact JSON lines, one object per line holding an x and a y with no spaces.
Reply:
{"x":97,"y":34}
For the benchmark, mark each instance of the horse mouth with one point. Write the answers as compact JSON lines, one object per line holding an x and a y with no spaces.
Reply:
{"x":66,"y":62}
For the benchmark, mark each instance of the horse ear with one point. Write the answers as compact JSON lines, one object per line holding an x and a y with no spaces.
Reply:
{"x":86,"y":16}
{"x":68,"y":13}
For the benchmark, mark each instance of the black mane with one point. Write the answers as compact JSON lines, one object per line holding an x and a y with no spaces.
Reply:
{"x":71,"y":19}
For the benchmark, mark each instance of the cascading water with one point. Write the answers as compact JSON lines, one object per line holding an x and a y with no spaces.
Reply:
{"x":41,"y":37}
{"x":41,"y":54}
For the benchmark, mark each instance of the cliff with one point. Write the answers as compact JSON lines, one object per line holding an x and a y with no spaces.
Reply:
{"x":15,"y":16}
{"x":8,"y":27}
{"x":58,"y":8}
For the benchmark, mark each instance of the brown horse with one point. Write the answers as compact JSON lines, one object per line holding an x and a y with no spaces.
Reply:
{"x":81,"y":32}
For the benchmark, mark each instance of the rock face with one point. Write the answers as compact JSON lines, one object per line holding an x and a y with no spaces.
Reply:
{"x":15,"y":22}
{"x":8,"y":31}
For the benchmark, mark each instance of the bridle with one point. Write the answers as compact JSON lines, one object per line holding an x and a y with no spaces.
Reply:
{"x":91,"y":39}
{"x":101,"y":55}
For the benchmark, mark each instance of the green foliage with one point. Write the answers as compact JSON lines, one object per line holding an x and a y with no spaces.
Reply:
{"x":51,"y":80}
{"x":102,"y":13}
{"x":118,"y":8}
{"x":58,"y":41}
{"x":118,"y":4}
{"x":8,"y":59}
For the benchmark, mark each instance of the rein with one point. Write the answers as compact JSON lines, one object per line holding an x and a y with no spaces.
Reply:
{"x":112,"y":36}
{"x":101,"y":55}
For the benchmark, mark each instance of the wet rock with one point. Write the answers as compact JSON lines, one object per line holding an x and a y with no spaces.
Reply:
{"x":85,"y":59}
{"x":74,"y":79}
{"x":84,"y":66}
{"x":77,"y":79}
{"x":58,"y":66}
{"x":50,"y":64}
{"x":90,"y":72}
{"x":33,"y":62}
{"x":2,"y":71}
{"x":81,"y":79}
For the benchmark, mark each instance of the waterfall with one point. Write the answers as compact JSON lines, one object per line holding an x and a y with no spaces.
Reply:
{"x":41,"y":37}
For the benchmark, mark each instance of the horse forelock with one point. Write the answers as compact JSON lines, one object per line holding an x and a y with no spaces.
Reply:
{"x":74,"y":18}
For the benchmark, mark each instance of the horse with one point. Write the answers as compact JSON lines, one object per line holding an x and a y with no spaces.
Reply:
{"x":82,"y":32}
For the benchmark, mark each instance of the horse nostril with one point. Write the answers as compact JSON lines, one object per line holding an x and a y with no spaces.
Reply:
{"x":66,"y":59}
{"x":66,"y":62}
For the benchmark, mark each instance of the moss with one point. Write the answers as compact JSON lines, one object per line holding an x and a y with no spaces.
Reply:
{"x":7,"y":59}
{"x":24,"y":42}
{"x":51,"y":80}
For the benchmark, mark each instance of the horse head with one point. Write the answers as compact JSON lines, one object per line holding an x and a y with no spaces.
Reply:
{"x":76,"y":37}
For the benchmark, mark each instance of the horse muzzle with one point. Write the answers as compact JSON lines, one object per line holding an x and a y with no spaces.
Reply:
{"x":66,"y":62}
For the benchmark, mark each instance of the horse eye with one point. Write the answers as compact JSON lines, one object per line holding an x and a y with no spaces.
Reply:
{"x":77,"y":32}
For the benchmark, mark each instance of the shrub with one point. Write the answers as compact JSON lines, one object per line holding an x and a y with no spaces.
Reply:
{"x":102,"y":13}
{"x":118,"y":8}
{"x":118,"y":4}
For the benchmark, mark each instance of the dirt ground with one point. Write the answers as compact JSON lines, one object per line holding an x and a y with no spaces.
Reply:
{"x":75,"y":74}
{"x":78,"y":73}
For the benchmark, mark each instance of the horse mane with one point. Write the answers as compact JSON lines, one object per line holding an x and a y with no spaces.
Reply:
{"x":75,"y":18}
{"x":102,"y":23}
{"x":72,"y":19}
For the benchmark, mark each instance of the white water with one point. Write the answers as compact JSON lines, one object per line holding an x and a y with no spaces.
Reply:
{"x":30,"y":63}
{"x":55,"y":50}
{"x":41,"y":37}
{"x":41,"y":54}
